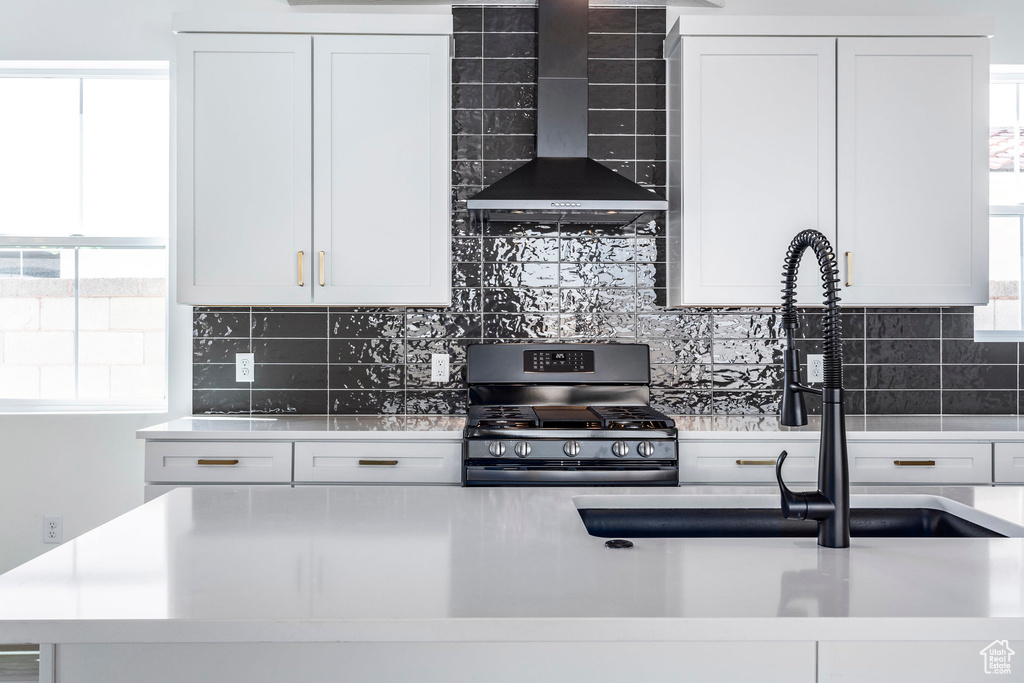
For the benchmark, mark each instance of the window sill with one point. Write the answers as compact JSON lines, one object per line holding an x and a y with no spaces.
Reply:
{"x":11,"y":406}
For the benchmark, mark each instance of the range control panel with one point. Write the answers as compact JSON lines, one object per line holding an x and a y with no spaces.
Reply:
{"x":535,"y":360}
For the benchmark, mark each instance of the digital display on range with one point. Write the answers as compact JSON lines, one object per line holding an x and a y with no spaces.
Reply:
{"x":558,"y":361}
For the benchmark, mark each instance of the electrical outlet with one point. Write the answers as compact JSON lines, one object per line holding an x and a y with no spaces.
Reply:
{"x":245,"y":367}
{"x":815,"y":367}
{"x":439,"y":367}
{"x":53,"y":529}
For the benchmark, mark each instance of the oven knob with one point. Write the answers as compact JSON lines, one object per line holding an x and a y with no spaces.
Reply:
{"x":620,"y":449}
{"x":645,"y":449}
{"x":523,"y":449}
{"x":571,"y":448}
{"x":496,"y":448}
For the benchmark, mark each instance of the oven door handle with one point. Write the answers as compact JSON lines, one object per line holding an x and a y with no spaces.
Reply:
{"x":535,"y":475}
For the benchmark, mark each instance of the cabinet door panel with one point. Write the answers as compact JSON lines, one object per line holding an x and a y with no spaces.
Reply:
{"x":758,"y":153}
{"x":912,"y":169}
{"x":381,"y":169}
{"x":244,"y":193}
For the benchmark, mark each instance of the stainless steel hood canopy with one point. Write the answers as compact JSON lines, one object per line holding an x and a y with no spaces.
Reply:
{"x":562,"y":177}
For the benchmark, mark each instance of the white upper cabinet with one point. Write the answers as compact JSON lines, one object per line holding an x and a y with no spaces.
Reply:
{"x":381,"y":199}
{"x":315,"y":169}
{"x":758,"y":162}
{"x":878,"y":142}
{"x":913,"y":170}
{"x":244,"y":154}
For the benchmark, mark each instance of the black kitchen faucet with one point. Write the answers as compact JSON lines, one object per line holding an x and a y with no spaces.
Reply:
{"x":830,"y":504}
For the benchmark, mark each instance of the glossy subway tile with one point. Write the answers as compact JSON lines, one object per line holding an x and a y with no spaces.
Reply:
{"x":290,"y":350}
{"x":289,"y":325}
{"x":510,"y":19}
{"x":221,"y":323}
{"x":984,"y":402}
{"x":367,"y":351}
{"x":522,"y":300}
{"x":221,"y":402}
{"x":290,"y":376}
{"x":365,"y":402}
{"x":367,"y":376}
{"x":214,"y":350}
{"x":612,"y":46}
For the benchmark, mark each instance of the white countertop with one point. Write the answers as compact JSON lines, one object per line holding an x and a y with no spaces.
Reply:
{"x":385,"y":427}
{"x":449,"y":427}
{"x":329,"y":564}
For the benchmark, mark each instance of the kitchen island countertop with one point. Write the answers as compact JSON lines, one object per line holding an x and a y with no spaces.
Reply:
{"x":374,"y":564}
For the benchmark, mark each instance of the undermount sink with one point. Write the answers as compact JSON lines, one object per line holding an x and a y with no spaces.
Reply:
{"x":759,"y":516}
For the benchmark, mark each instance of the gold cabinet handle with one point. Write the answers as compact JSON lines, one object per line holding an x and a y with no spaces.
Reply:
{"x":300,"y":269}
{"x":378,"y":462}
{"x":755,"y":462}
{"x":217,"y":462}
{"x":914,"y":463}
{"x":321,"y":269}
{"x":849,"y":269}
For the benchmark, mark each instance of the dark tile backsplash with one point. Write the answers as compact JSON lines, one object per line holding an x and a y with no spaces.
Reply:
{"x":577,"y":281}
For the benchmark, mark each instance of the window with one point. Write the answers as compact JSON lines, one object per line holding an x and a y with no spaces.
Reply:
{"x":1001,"y":318}
{"x":83,"y":230}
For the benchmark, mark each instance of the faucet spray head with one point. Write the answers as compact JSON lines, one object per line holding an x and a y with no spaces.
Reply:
{"x":792,"y":409}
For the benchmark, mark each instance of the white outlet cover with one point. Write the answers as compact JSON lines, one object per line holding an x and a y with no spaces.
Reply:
{"x":245,"y":367}
{"x":439,"y":371}
{"x":815,"y":367}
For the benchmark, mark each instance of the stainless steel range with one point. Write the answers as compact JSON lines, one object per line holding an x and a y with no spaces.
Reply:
{"x":565,"y":414}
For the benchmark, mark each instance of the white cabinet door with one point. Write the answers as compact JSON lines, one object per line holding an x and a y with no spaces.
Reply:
{"x":216,"y":462}
{"x":244,"y":155}
{"x":381,"y":114}
{"x":758,"y":164}
{"x":913,"y":170}
{"x":378,"y":462}
{"x":1008,"y":464}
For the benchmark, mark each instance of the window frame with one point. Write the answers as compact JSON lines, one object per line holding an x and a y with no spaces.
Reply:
{"x":135,"y":70}
{"x":1008,"y":74}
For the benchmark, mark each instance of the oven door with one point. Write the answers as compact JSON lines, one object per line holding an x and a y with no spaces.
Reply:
{"x":595,"y":473}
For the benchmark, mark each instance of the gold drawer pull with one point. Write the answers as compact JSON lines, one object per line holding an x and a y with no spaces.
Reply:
{"x":321,"y":269}
{"x":849,"y":269}
{"x":914,"y":463}
{"x":300,"y":270}
{"x":378,"y":462}
{"x":755,"y":462}
{"x":217,"y":462}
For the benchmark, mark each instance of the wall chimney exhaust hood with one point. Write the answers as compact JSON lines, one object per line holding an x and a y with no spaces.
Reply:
{"x":562,"y":177}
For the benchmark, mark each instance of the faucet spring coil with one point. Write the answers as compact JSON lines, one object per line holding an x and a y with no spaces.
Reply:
{"x":832,"y":326}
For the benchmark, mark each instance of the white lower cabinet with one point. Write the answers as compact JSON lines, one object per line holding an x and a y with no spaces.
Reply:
{"x":920,"y":463}
{"x":219,"y":462}
{"x":1008,"y":463}
{"x":378,"y":462}
{"x":723,"y":462}
{"x":747,"y":462}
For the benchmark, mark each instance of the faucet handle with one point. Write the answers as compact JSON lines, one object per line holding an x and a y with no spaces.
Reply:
{"x":794,"y":505}
{"x":801,"y":505}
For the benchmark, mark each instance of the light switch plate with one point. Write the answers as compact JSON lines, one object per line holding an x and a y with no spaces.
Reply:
{"x":245,"y":367}
{"x":439,"y":367}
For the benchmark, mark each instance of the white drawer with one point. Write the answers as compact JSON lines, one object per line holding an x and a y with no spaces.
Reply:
{"x":746,"y":462}
{"x":380,"y":462}
{"x":233,"y":462}
{"x":1009,"y":463}
{"x":920,"y":463}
